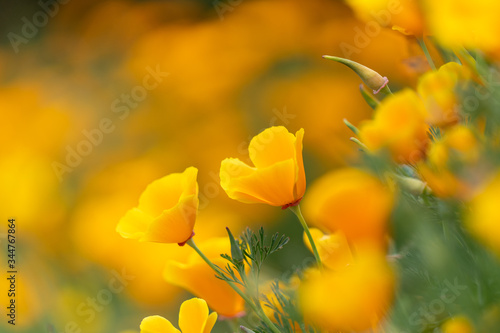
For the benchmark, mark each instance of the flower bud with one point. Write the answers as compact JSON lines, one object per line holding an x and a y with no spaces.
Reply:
{"x":371,"y":78}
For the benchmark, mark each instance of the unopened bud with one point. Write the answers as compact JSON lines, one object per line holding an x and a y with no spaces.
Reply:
{"x":372,"y":79}
{"x":413,"y":185}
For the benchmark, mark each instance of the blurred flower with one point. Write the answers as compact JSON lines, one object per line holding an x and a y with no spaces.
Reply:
{"x":167,"y":210}
{"x":333,"y":249}
{"x":464,"y":23}
{"x":278,"y":177}
{"x":402,"y":15}
{"x":438,"y":91}
{"x":193,"y":318}
{"x":450,"y":167}
{"x":354,"y":299}
{"x":458,"y":324}
{"x":483,"y":216}
{"x":198,"y":278}
{"x":333,"y":204}
{"x":398,"y":125}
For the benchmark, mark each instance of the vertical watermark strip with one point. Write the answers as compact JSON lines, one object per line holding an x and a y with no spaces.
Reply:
{"x":11,"y":271}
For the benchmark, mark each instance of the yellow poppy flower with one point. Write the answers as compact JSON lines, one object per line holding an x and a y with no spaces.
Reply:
{"x":459,"y":324}
{"x":193,"y":318}
{"x":438,"y":91}
{"x":166,"y":212}
{"x":466,"y":23}
{"x":353,"y":299}
{"x":333,"y":249}
{"x":334,"y":202}
{"x":399,"y":126}
{"x":198,"y":278}
{"x":277,"y":178}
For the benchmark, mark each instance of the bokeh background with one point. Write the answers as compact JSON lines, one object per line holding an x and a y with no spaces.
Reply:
{"x":99,"y":98}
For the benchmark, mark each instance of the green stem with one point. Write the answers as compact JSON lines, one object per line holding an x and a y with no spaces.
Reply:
{"x":251,"y":304}
{"x":426,"y":52}
{"x":298,"y":213}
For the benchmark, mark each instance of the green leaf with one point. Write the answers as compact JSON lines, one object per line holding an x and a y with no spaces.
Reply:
{"x":236,"y":253}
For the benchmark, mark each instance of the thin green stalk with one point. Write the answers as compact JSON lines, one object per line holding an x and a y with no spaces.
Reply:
{"x":359,"y":143}
{"x":298,"y":213}
{"x":353,"y":128}
{"x":426,"y":52}
{"x":238,"y":290}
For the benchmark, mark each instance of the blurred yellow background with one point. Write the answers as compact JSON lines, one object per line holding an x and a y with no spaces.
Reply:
{"x":99,"y":98}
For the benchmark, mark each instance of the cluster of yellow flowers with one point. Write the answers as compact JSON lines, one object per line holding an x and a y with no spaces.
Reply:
{"x":69,"y":181}
{"x":355,"y":243}
{"x":402,"y":230}
{"x":423,"y":147}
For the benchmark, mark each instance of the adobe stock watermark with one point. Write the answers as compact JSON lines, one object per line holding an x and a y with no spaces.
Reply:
{"x":87,"y":310}
{"x":431,"y":313}
{"x":31,"y":26}
{"x":223,"y":6}
{"x":363,"y":37}
{"x":121,"y":107}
